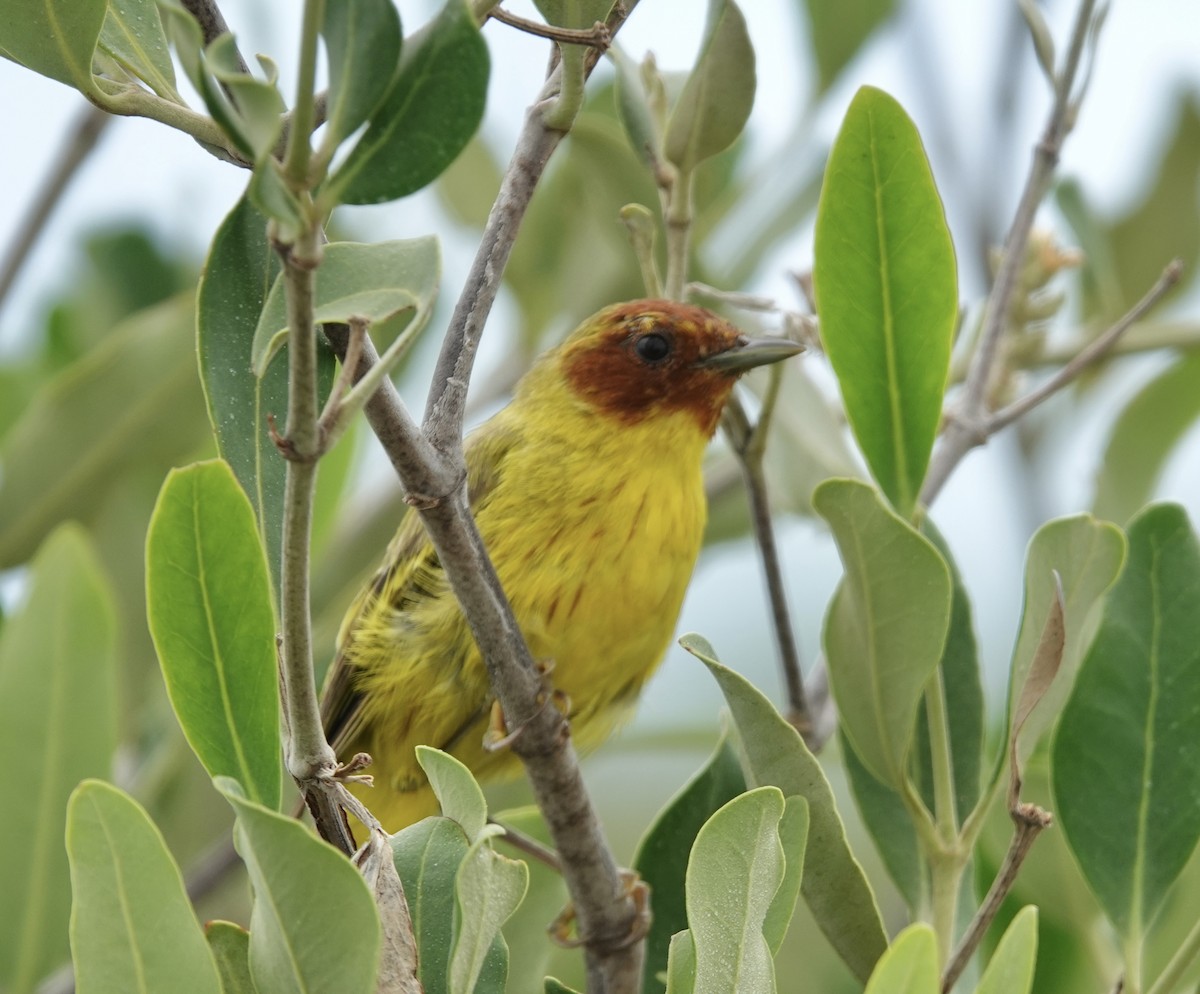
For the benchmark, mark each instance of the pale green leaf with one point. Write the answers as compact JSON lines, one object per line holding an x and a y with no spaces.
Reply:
{"x":428,"y":855}
{"x":58,"y":704}
{"x":1010,"y":970}
{"x":1087,"y":555}
{"x":230,"y":945}
{"x":834,"y":885}
{"x":131,"y":401}
{"x":886,"y":627}
{"x":133,"y":35}
{"x":717,"y":98}
{"x":681,"y":964}
{"x":133,"y":930}
{"x":390,"y":284}
{"x":487,"y":890}
{"x":910,"y":966}
{"x":735,"y":868}
{"x":56,"y":38}
{"x":662,"y":854}
{"x":1146,"y":432}
{"x":838,"y":31}
{"x":299,"y":943}
{"x":457,"y":792}
{"x":793,"y":836}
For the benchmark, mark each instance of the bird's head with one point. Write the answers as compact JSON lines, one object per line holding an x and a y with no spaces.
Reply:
{"x":644,"y":358}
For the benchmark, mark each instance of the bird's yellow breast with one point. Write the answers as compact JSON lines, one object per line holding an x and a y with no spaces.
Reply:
{"x":595,"y":551}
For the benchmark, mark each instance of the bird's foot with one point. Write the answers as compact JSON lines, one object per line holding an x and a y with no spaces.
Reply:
{"x":499,"y":736}
{"x":636,"y":889}
{"x":348,"y":772}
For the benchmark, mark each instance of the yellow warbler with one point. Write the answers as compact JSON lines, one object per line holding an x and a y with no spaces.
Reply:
{"x":588,"y":493}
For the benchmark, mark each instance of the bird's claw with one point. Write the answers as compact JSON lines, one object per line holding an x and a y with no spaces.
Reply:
{"x":636,"y":889}
{"x":348,"y":772}
{"x":499,"y":736}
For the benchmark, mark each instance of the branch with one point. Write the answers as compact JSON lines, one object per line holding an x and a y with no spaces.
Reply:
{"x":1030,"y":820}
{"x":82,"y":140}
{"x":535,"y":144}
{"x":1087,"y":356}
{"x":597,"y":36}
{"x":749,"y":445}
{"x":963,"y":433}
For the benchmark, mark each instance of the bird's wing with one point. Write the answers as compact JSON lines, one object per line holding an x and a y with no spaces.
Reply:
{"x":410,"y":574}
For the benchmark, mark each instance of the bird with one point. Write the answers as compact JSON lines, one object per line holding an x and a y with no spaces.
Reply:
{"x":588,"y":492}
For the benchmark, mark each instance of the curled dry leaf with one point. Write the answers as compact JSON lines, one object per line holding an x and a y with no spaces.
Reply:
{"x":1042,"y":671}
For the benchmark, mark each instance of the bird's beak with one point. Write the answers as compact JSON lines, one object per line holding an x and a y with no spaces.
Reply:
{"x":751,"y":352}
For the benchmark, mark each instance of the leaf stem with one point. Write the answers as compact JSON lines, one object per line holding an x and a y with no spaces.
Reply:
{"x":309,"y":756}
{"x":1185,"y":956}
{"x":679,"y":233}
{"x":946,"y":870}
{"x":944,"y":804}
{"x":299,"y":146}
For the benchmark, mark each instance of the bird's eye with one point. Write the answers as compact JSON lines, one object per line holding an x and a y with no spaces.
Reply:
{"x":652,"y":347}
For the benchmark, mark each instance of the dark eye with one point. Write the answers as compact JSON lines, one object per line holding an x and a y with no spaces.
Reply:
{"x":652,"y":347}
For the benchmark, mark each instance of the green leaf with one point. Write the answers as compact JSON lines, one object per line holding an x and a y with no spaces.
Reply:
{"x":883,"y":810}
{"x":554,"y":986}
{"x":577,"y":14}
{"x":239,"y":272}
{"x":661,"y":859}
{"x":230,"y":945}
{"x":133,"y":930}
{"x":255,"y":113}
{"x":910,"y":966}
{"x":717,"y":98}
{"x":1145,"y":434}
{"x":133,"y":35}
{"x":391,"y":284}
{"x":131,"y":401}
{"x":837,"y":32}
{"x":456,"y":789}
{"x":362,"y":42}
{"x":1010,"y":970}
{"x":681,"y":964}
{"x":1126,"y":758}
{"x":886,"y":289}
{"x":963,"y":690}
{"x":834,"y":885}
{"x":55,"y":38}
{"x":209,"y":607}
{"x":58,"y":714}
{"x":432,"y":109}
{"x":793,"y":836}
{"x":889,"y":823}
{"x":886,"y":627}
{"x":736,"y":865}
{"x":428,"y":855}
{"x":299,"y":943}
{"x":487,"y":890}
{"x":1087,"y":555}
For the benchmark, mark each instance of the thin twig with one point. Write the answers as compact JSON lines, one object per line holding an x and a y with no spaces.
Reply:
{"x":597,"y":36}
{"x":1181,"y":962}
{"x":530,"y":846}
{"x":82,"y":140}
{"x":1029,"y":820}
{"x":748,"y":444}
{"x":964,"y":431}
{"x":1087,"y":356}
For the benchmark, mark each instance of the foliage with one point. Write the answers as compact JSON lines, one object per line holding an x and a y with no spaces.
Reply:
{"x":1101,"y":718}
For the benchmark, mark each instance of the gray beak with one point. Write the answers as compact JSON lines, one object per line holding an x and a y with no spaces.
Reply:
{"x":751,"y":352}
